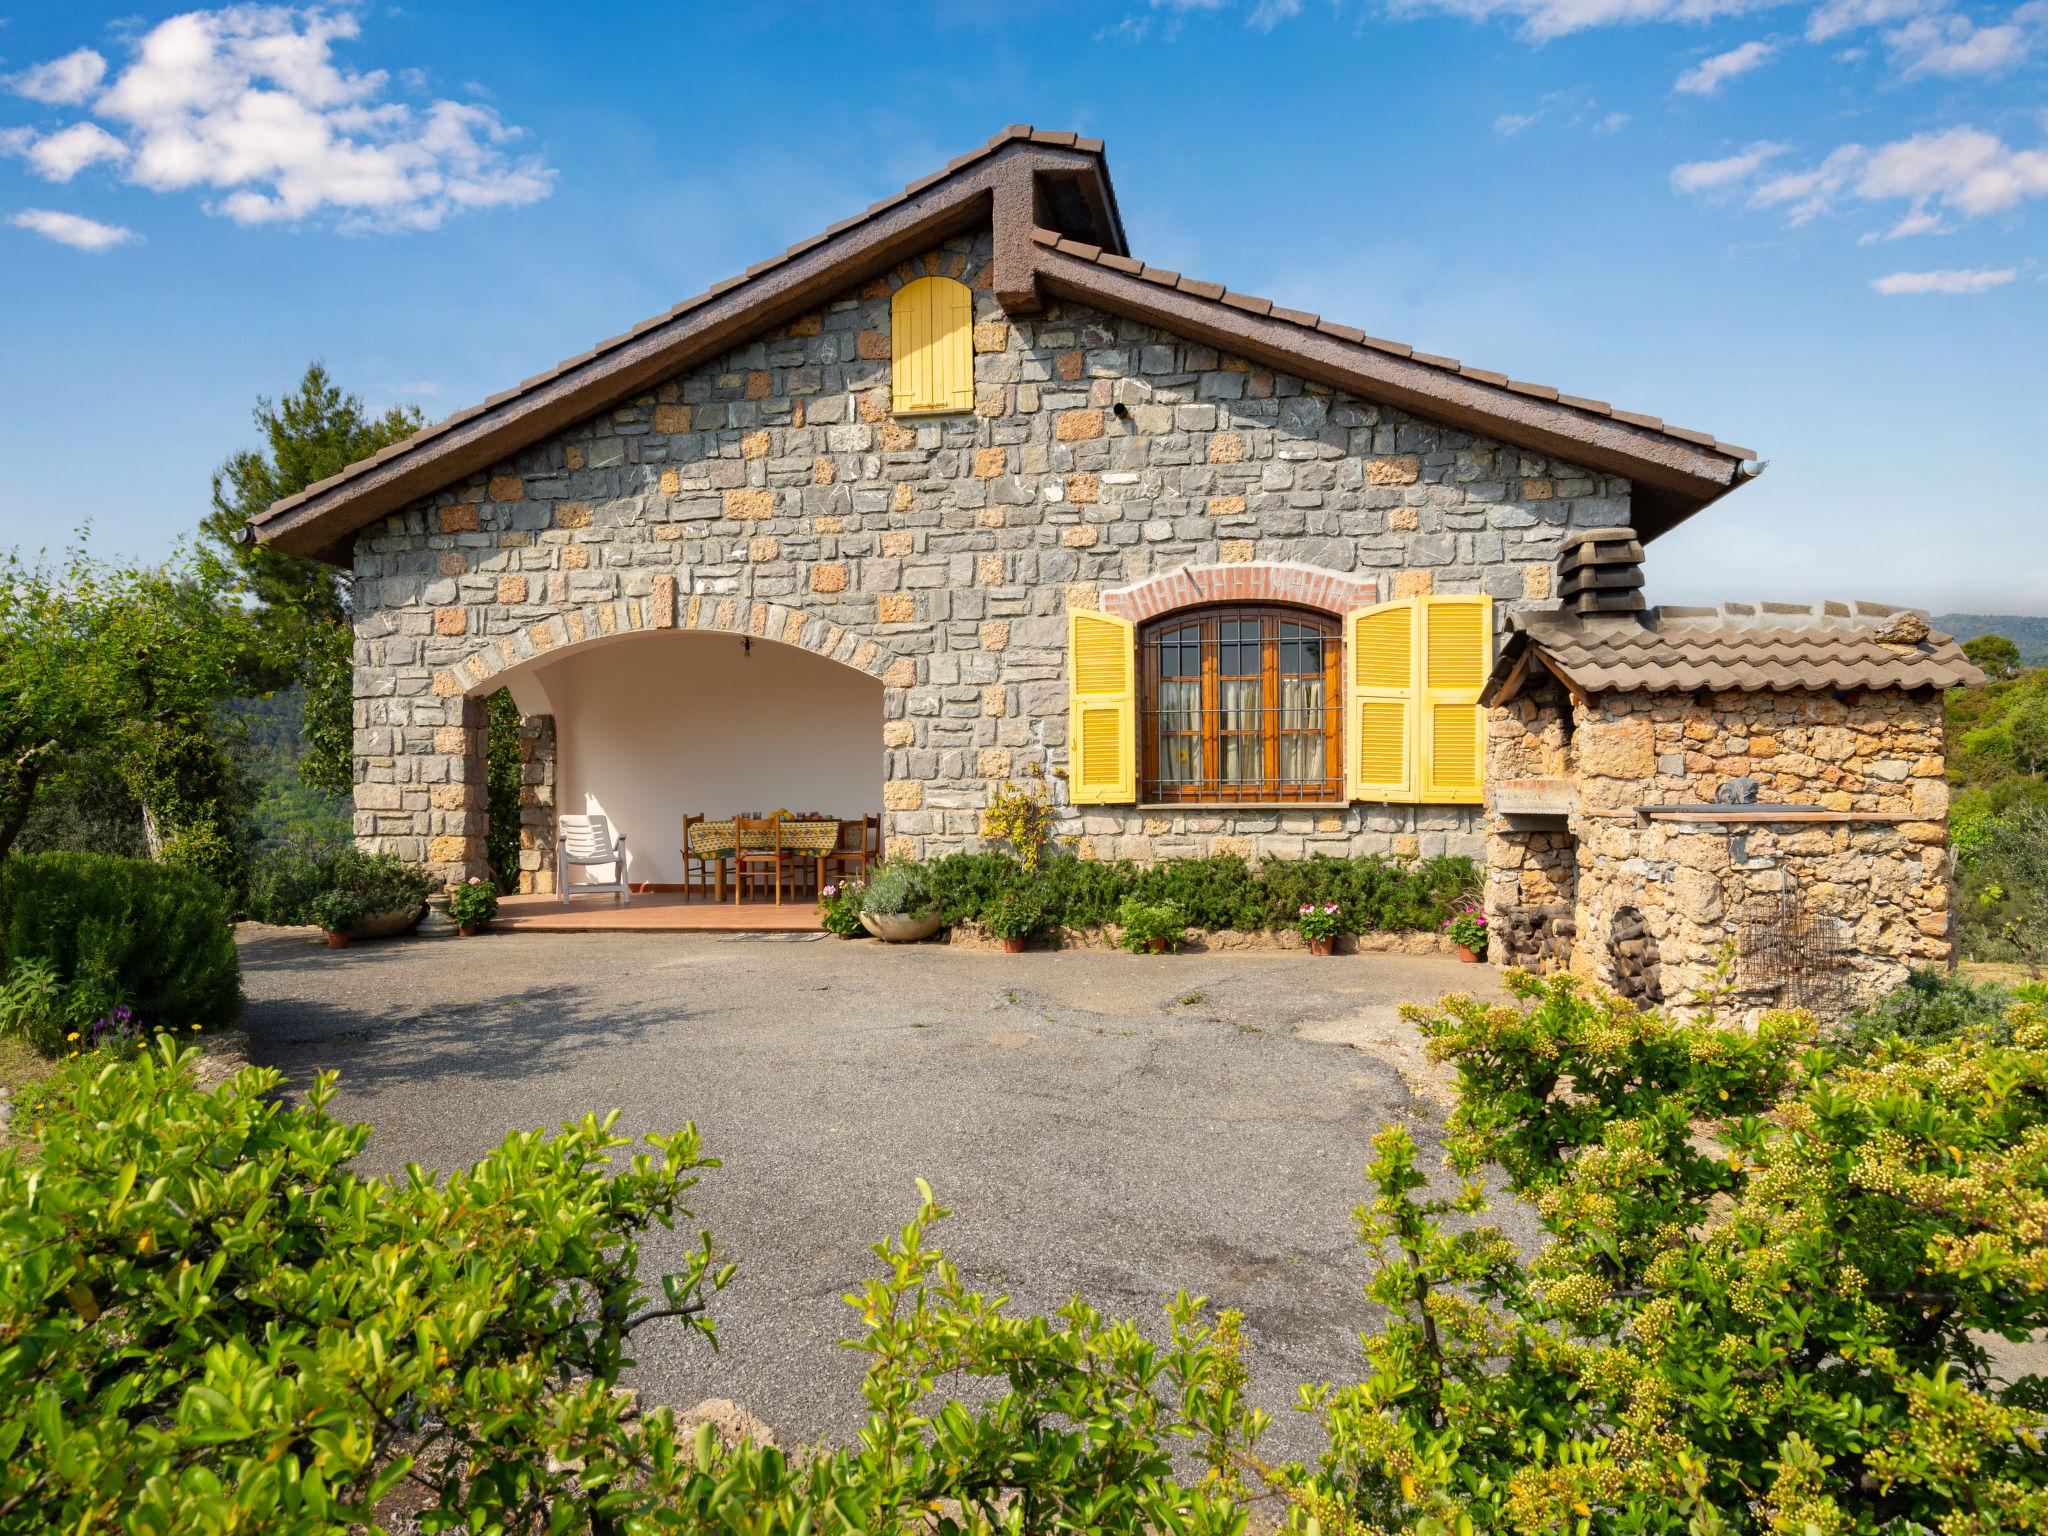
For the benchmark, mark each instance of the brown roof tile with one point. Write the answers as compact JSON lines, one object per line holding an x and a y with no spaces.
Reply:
{"x":1788,"y":648}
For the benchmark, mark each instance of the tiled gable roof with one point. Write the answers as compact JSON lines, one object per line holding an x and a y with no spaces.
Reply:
{"x":1768,"y":647}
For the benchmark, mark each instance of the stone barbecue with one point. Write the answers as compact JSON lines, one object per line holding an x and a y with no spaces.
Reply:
{"x":1749,"y":797}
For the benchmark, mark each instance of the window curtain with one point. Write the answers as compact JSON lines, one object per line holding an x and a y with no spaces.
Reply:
{"x":1301,"y":727}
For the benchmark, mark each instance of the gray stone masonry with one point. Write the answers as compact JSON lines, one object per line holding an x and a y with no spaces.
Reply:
{"x":772,"y":493}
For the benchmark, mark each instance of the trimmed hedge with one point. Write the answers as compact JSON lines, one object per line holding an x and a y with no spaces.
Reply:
{"x":154,"y":936}
{"x":286,"y":882}
{"x":1376,"y":894}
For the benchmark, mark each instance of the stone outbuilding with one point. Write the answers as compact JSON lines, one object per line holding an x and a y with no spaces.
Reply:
{"x":1748,"y":798}
{"x":958,"y":492}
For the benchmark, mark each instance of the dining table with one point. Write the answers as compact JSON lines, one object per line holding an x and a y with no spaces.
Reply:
{"x":803,"y":837}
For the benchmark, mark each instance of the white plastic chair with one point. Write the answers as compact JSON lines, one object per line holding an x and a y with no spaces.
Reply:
{"x":583,"y":841}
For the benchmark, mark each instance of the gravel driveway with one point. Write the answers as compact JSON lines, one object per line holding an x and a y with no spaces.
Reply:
{"x":1108,"y":1124}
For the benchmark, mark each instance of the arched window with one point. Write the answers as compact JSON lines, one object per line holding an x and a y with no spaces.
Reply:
{"x":931,"y":346}
{"x":1240,"y":704}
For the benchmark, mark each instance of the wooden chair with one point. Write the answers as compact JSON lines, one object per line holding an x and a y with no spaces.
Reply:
{"x":582,"y":842}
{"x":701,"y":872}
{"x":860,"y":845}
{"x":745,"y":858}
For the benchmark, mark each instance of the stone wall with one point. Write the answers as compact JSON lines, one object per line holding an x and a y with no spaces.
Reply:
{"x":771,"y":493}
{"x":1879,"y":886}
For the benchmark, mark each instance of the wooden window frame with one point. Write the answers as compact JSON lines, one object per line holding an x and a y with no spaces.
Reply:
{"x":1210,"y":788}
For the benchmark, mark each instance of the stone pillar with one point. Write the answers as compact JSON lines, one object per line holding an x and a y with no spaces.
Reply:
{"x":420,"y":777}
{"x":537,"y":805}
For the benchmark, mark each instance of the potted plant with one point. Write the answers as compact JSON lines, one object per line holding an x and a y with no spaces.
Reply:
{"x":897,"y":905}
{"x":839,"y":908}
{"x":336,"y":912}
{"x":1467,"y":929}
{"x":473,"y":904}
{"x":1013,"y":916}
{"x":1320,"y":924}
{"x":1150,"y":926}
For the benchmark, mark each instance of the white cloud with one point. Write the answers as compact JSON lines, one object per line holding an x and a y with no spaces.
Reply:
{"x":72,"y":230}
{"x":1965,"y":169}
{"x":1709,"y":75}
{"x":1713,"y":175}
{"x":1508,"y":124}
{"x":1545,"y":19}
{"x":1268,"y":14}
{"x":1964,"y":172}
{"x":62,"y":82}
{"x":1945,"y":280}
{"x":248,"y":106}
{"x":62,"y":155}
{"x":1955,"y":45}
{"x":1834,"y":17}
{"x":1613,"y":122}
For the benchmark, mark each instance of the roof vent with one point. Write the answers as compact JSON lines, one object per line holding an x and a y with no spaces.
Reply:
{"x":1601,"y":571}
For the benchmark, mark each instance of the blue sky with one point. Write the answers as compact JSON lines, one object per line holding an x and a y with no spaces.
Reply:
{"x":1815,"y":229}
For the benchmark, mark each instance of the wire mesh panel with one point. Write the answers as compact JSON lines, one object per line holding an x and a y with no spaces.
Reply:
{"x":1241,"y":705}
{"x":1793,"y":957}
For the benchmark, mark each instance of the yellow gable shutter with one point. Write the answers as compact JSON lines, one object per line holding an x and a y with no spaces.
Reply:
{"x":1456,"y":653}
{"x":931,"y":346}
{"x":1379,"y":694}
{"x":1102,"y":709}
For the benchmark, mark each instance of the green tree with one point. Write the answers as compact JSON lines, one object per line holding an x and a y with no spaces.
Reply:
{"x":1995,"y":656}
{"x":128,"y":665}
{"x":315,"y":431}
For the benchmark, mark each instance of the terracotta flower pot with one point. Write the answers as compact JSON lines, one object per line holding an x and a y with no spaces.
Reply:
{"x":1156,"y":946}
{"x":1465,"y":954}
{"x":1014,"y":946}
{"x":1327,"y":945}
{"x":471,"y":930}
{"x":336,"y":939}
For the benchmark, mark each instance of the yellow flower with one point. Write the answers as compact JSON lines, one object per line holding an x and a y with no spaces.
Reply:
{"x":72,"y":1036}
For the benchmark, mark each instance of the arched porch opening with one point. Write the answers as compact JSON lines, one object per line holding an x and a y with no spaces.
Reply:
{"x":646,"y":727}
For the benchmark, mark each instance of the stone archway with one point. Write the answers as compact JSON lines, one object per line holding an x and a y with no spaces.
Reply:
{"x":1250,"y":581}
{"x":422,"y":788}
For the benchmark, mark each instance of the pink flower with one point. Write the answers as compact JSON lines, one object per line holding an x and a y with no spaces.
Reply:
{"x":1306,"y":909}
{"x":1329,"y":906}
{"x":831,"y":890}
{"x":476,"y":879}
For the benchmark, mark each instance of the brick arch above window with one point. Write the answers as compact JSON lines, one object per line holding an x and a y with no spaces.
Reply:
{"x":1256,"y":581}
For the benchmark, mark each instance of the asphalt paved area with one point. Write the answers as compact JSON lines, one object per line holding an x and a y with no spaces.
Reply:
{"x":1108,"y":1124}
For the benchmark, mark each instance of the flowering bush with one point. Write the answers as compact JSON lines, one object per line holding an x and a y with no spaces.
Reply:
{"x":474,"y":902}
{"x":1466,"y":927}
{"x":337,"y":910}
{"x":839,"y":908}
{"x":1763,"y":1299}
{"x":1320,"y":921}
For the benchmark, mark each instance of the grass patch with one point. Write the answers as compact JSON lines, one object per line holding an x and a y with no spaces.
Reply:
{"x":20,"y":1065}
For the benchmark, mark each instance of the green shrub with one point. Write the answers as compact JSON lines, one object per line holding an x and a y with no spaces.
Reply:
{"x":1759,"y":1304}
{"x":1146,"y":923}
{"x":2002,"y":908}
{"x":1218,"y":892}
{"x":1928,"y":1006}
{"x":285,"y":880}
{"x":473,"y":902}
{"x":1017,"y":913}
{"x":288,"y":880}
{"x":897,"y":888}
{"x":35,"y":1007}
{"x":963,"y":884}
{"x":152,"y":936}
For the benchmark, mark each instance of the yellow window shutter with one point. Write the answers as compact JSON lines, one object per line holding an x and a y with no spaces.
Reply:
{"x":1456,"y":653}
{"x":931,"y":346}
{"x":1379,"y":702}
{"x":1102,"y":709}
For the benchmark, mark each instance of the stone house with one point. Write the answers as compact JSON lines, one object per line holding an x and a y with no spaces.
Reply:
{"x":955,"y":492}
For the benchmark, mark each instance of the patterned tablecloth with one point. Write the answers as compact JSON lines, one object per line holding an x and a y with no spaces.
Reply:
{"x":806,"y":839}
